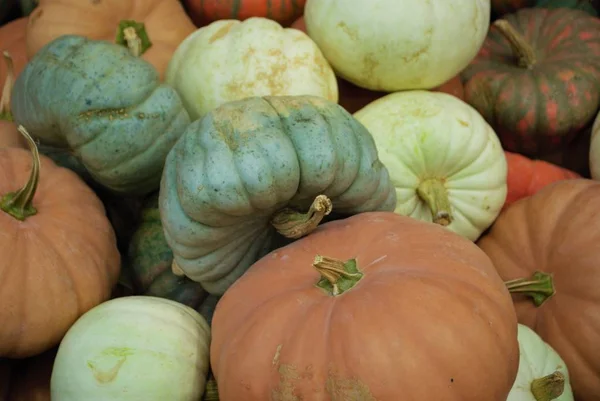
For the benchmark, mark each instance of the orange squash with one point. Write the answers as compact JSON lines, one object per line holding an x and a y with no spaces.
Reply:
{"x":394,"y":309}
{"x":206,"y":11}
{"x":160,"y":25}
{"x":12,"y":40}
{"x":9,"y":135}
{"x":58,"y":252}
{"x":526,"y":177}
{"x":546,"y":248}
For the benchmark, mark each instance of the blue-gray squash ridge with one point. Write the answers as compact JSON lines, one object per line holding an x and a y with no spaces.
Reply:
{"x":233,"y":170}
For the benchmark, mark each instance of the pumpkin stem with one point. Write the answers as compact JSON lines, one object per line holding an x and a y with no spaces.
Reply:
{"x":5,"y":113}
{"x":178,"y":271}
{"x":211,"y":391}
{"x":540,"y":287}
{"x":293,"y":224}
{"x":337,"y":276}
{"x":433,"y":192}
{"x":133,"y":35}
{"x":549,"y":387}
{"x":520,"y":47}
{"x":19,"y":204}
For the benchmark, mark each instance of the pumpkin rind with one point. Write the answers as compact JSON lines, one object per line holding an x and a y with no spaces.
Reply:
{"x":105,"y":106}
{"x":207,"y":11}
{"x":422,"y":136}
{"x":233,"y":169}
{"x":58,"y":263}
{"x":556,"y":232}
{"x":232,"y":60}
{"x":428,"y":301}
{"x":540,"y":109}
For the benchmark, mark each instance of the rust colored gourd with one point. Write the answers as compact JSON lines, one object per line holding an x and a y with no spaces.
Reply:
{"x":377,"y":306}
{"x":206,"y":11}
{"x":546,"y":248}
{"x":526,"y":177}
{"x":520,"y":84}
{"x":160,"y":25}
{"x":12,"y":40}
{"x":58,"y":253}
{"x":9,"y":135}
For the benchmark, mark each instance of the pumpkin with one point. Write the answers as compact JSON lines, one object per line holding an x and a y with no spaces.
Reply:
{"x":391,"y":47}
{"x":594,"y":154}
{"x":9,"y":136}
{"x":160,"y":25}
{"x":133,"y":348}
{"x":59,"y":257}
{"x":340,"y":331}
{"x":231,"y":60}
{"x":283,"y":163}
{"x":12,"y":40}
{"x":150,"y":260}
{"x":30,"y":379}
{"x":206,"y":11}
{"x":521,"y":86}
{"x":526,"y":177}
{"x":104,"y":106}
{"x":445,"y":161}
{"x":542,"y":374}
{"x":544,"y":246}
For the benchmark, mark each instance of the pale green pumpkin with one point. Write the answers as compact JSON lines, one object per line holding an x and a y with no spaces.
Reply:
{"x":103,"y":105}
{"x":229,"y":178}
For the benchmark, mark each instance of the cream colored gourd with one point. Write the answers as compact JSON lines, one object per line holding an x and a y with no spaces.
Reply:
{"x":133,"y":348}
{"x":542,"y":375}
{"x":445,"y":161}
{"x":595,"y":150}
{"x":392,"y":45}
{"x":231,"y":60}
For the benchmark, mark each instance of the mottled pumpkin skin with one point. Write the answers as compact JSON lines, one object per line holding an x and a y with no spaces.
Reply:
{"x":539,"y":110}
{"x":244,"y":161}
{"x":104,"y":106}
{"x":206,"y":11}
{"x":149,"y":263}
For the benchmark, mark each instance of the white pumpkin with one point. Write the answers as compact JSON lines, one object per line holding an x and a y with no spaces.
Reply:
{"x":537,"y":378}
{"x":231,"y":60}
{"x":392,"y":45}
{"x":133,"y":348}
{"x":445,"y":161}
{"x":595,"y":150}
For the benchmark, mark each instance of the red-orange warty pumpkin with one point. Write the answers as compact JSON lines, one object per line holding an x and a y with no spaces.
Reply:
{"x":548,"y":244}
{"x":206,"y":11}
{"x":58,"y":253}
{"x":374,"y":307}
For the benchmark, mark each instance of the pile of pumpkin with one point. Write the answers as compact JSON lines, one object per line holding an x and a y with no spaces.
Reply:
{"x":299,"y":200}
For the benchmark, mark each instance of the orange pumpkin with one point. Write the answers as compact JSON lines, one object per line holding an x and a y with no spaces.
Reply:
{"x":395,"y":309}
{"x":58,"y":253}
{"x":159,"y":25}
{"x":546,"y":247}
{"x":206,"y":11}
{"x":12,"y":40}
{"x":526,"y":177}
{"x":9,"y":135}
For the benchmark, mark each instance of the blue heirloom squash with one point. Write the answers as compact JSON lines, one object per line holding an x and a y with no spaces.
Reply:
{"x":250,"y":167}
{"x":105,"y":106}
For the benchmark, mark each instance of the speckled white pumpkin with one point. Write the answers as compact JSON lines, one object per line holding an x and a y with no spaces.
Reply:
{"x":445,"y":161}
{"x":231,"y":60}
{"x":133,"y":348}
{"x":392,"y":45}
{"x":538,"y":361}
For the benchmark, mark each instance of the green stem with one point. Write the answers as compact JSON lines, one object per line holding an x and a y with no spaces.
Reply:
{"x":549,"y":387}
{"x":523,"y":50}
{"x":5,"y":113}
{"x":293,"y":224}
{"x":19,"y":204}
{"x":211,"y":391}
{"x":133,"y":35}
{"x":540,"y":287}
{"x":433,"y":192}
{"x":337,"y":276}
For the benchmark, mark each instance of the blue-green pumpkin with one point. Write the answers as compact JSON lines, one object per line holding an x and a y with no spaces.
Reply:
{"x":104,"y":106}
{"x":259,"y":165}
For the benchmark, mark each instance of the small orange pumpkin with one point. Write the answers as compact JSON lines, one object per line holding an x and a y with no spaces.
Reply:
{"x":12,"y":40}
{"x":9,"y":135}
{"x":58,"y":252}
{"x":159,"y":25}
